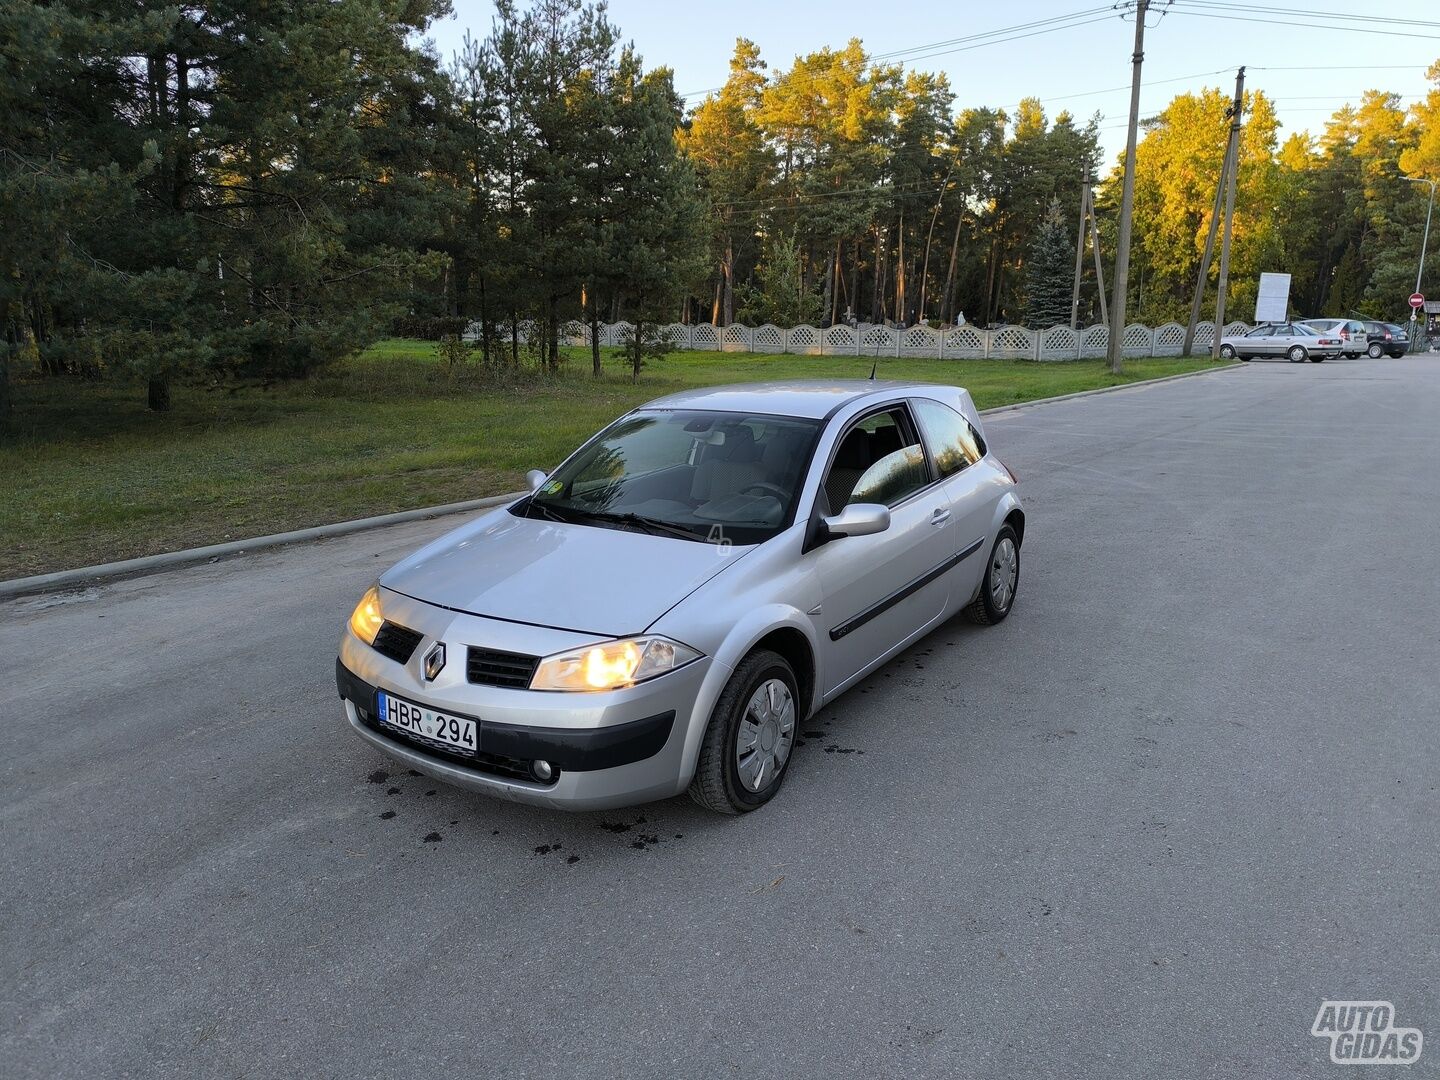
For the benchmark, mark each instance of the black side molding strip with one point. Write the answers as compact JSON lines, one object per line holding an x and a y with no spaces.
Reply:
{"x":900,"y":594}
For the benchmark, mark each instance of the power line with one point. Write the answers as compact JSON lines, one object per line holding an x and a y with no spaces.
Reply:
{"x":976,"y":41}
{"x":1232,"y":5}
{"x":1311,"y":25}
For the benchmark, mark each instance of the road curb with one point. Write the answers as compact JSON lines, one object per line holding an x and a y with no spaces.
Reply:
{"x":1140,"y":385}
{"x":149,"y":564}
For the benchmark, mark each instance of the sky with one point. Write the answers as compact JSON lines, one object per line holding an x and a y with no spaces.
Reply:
{"x":1309,"y":69}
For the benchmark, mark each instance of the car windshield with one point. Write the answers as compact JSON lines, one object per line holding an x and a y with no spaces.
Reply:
{"x":722,"y":477}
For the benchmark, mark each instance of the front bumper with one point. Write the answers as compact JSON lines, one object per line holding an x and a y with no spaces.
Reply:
{"x":609,"y":764}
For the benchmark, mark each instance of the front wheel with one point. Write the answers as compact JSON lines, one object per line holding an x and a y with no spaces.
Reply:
{"x":1375,"y":351}
{"x":1227,"y":351}
{"x":1297,"y":354}
{"x":747,"y":746}
{"x":1001,"y":580}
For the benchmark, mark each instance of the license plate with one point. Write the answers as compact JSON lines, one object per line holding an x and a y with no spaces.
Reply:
{"x":456,"y":731}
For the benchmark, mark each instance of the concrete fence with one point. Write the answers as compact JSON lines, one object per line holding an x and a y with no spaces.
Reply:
{"x":956,"y":343}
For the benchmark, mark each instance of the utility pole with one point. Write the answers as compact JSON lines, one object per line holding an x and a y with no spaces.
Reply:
{"x":1080,"y":248}
{"x":1424,"y":243}
{"x":1099,"y":273}
{"x":1127,"y":194}
{"x":1236,"y":116}
{"x":1227,"y":163}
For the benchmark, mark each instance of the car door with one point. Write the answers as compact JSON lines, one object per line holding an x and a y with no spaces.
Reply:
{"x":876,"y":592}
{"x":970,"y":483}
{"x":1256,"y":342}
{"x":1285,"y":335}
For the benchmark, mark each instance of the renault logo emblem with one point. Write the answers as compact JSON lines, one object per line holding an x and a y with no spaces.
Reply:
{"x":434,"y":661}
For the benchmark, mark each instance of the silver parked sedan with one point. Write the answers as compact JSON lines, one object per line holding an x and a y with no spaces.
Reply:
{"x":1297,"y":342}
{"x":665,"y":609}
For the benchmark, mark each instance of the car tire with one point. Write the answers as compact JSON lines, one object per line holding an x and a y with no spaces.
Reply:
{"x":1228,"y":352}
{"x":722,"y":782}
{"x":994,"y":602}
{"x":1317,"y":359}
{"x":1297,"y":354}
{"x":1375,"y":351}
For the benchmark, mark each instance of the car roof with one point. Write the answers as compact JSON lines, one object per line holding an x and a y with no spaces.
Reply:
{"x":805,"y":398}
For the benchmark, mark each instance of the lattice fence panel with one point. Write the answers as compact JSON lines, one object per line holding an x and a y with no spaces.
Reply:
{"x":1137,"y":341}
{"x":837,"y":340}
{"x":1204,"y":335}
{"x":1012,"y":343}
{"x":965,"y":343}
{"x":803,"y":339}
{"x":1236,"y":328}
{"x":1169,"y":339}
{"x":1095,"y":340}
{"x":704,"y":336}
{"x":679,"y":335}
{"x":1059,"y":343}
{"x":878,"y":341}
{"x":768,"y":338}
{"x":920,"y":341}
{"x":735,"y":338}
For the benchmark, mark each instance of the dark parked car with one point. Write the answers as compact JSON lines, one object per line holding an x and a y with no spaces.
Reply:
{"x":1386,"y":339}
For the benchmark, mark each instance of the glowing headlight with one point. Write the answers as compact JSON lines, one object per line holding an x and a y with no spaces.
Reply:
{"x":611,"y":665}
{"x":365,"y":620}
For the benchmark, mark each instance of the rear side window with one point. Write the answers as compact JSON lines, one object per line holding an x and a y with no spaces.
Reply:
{"x":953,"y":443}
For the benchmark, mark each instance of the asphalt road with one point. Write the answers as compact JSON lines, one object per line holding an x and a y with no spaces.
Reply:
{"x":1141,"y":829}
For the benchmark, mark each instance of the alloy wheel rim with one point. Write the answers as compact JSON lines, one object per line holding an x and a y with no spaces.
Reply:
{"x":766,"y":734}
{"x":1004,"y":570}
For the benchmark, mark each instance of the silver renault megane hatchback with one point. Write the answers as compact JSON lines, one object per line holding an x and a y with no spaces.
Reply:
{"x":663,"y":610}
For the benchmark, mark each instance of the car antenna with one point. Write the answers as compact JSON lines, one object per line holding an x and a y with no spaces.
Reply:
{"x":872,"y":370}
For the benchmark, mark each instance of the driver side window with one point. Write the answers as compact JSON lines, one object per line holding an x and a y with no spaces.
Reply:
{"x":878,"y":460}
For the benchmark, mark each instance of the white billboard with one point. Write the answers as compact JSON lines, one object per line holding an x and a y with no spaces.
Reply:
{"x":1272,"y":302}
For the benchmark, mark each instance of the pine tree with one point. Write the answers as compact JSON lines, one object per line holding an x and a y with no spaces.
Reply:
{"x":1049,"y":272}
{"x":659,"y":240}
{"x":780,"y":295}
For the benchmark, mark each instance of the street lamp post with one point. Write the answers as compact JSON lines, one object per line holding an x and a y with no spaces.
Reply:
{"x":1424,"y":242}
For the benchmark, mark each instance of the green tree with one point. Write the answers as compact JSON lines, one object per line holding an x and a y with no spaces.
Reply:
{"x":273,"y":163}
{"x":1049,"y":272}
{"x":659,"y":250}
{"x":735,"y":165}
{"x":780,"y":294}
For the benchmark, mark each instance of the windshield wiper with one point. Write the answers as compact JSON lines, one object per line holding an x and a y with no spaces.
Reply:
{"x":545,"y":511}
{"x":653,"y":525}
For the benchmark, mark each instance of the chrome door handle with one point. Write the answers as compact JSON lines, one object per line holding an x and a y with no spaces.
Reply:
{"x":939,"y":516}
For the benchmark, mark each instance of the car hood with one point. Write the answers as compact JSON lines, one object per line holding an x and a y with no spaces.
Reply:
{"x":572,"y":577}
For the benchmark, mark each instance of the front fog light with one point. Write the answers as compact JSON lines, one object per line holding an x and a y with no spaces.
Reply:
{"x":366,"y":619}
{"x":542,"y":770}
{"x":612,"y":664}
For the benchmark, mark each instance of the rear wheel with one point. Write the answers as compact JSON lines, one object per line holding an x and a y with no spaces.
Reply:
{"x":1227,"y":351}
{"x":1001,"y":580}
{"x":1297,"y":354}
{"x":1317,"y":359}
{"x":747,"y":746}
{"x":1375,"y":351}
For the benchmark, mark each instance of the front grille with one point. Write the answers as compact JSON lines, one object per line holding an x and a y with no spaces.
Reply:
{"x":492,"y":668}
{"x":397,"y":642}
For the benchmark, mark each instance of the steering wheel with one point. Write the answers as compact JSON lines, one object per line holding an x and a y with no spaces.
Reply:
{"x":768,"y":488}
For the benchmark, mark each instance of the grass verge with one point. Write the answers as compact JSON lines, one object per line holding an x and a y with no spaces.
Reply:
{"x":88,"y":475}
